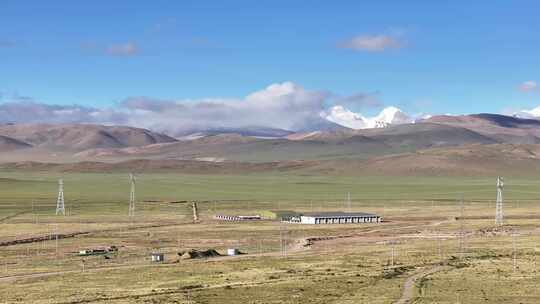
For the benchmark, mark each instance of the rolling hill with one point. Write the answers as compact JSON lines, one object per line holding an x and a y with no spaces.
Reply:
{"x":10,"y":144}
{"x":502,"y":128}
{"x":79,"y":137}
{"x":473,"y":144}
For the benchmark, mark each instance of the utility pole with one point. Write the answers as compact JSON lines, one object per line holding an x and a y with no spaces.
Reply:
{"x":439,"y":249}
{"x":132,"y":195}
{"x":188,"y":295}
{"x":60,"y":206}
{"x":499,"y":206}
{"x":392,"y":253}
{"x":461,"y":227}
{"x":514,"y":253}
{"x":283,"y":239}
{"x":34,"y":212}
{"x":195,"y":210}
{"x":56,"y":241}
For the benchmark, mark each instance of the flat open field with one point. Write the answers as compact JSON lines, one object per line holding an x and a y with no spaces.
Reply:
{"x":423,"y":252}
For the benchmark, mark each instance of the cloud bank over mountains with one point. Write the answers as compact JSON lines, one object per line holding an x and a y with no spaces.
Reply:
{"x":285,"y":106}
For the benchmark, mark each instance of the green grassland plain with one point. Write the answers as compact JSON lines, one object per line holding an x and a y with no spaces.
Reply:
{"x":348,"y":264}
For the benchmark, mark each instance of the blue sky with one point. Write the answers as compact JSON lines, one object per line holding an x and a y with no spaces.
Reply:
{"x":452,"y":57}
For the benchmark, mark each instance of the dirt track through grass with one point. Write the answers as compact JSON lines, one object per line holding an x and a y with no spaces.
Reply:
{"x":408,"y":288}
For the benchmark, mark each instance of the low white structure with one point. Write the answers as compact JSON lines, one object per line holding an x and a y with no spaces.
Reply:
{"x":336,"y":218}
{"x":238,"y":218}
{"x":232,"y":251}
{"x":157,"y":257}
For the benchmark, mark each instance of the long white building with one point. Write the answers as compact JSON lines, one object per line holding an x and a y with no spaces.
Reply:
{"x":335,"y":218}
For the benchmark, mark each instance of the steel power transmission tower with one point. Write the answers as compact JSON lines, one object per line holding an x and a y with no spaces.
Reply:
{"x":499,"y":206}
{"x":132,"y":195}
{"x":60,"y":206}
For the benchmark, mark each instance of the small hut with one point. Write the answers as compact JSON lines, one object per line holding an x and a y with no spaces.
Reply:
{"x":233,"y":251}
{"x":157,"y":257}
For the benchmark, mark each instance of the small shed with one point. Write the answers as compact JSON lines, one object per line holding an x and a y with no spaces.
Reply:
{"x":233,"y":251}
{"x":157,"y":257}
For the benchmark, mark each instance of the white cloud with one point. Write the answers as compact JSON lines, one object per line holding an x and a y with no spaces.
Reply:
{"x":123,"y":49}
{"x":283,"y":105}
{"x":27,"y":111}
{"x":372,"y":43}
{"x":532,"y":113}
{"x":529,"y":85}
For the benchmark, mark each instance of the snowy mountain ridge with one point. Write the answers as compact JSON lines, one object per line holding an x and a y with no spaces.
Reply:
{"x":388,"y":116}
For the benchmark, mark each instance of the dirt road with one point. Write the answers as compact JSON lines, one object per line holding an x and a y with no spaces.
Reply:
{"x":408,"y":288}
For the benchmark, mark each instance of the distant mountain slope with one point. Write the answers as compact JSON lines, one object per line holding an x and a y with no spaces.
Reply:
{"x":508,"y":121}
{"x":166,"y":165}
{"x":82,"y":142}
{"x":246,"y":131}
{"x":78,"y":137}
{"x":426,"y":135}
{"x":10,"y":144}
{"x":469,"y":160}
{"x":485,"y":119}
{"x":304,"y":146}
{"x":503,"y":128}
{"x":319,"y":124}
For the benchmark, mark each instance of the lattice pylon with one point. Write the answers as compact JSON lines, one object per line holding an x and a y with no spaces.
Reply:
{"x":499,"y":217}
{"x":132,"y":196}
{"x":60,"y":205}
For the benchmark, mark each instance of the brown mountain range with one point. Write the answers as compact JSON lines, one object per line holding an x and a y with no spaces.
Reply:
{"x":473,"y":144}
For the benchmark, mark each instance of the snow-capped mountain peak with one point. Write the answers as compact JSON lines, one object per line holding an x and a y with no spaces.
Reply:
{"x":388,"y":116}
{"x":392,"y":116}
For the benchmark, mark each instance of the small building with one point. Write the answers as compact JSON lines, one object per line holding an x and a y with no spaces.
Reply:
{"x":335,"y":218}
{"x":237,"y":218}
{"x":157,"y":257}
{"x":85,"y":252}
{"x":98,"y":251}
{"x":233,"y":251}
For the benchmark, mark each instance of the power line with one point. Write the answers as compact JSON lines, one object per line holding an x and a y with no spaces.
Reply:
{"x":524,"y":192}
